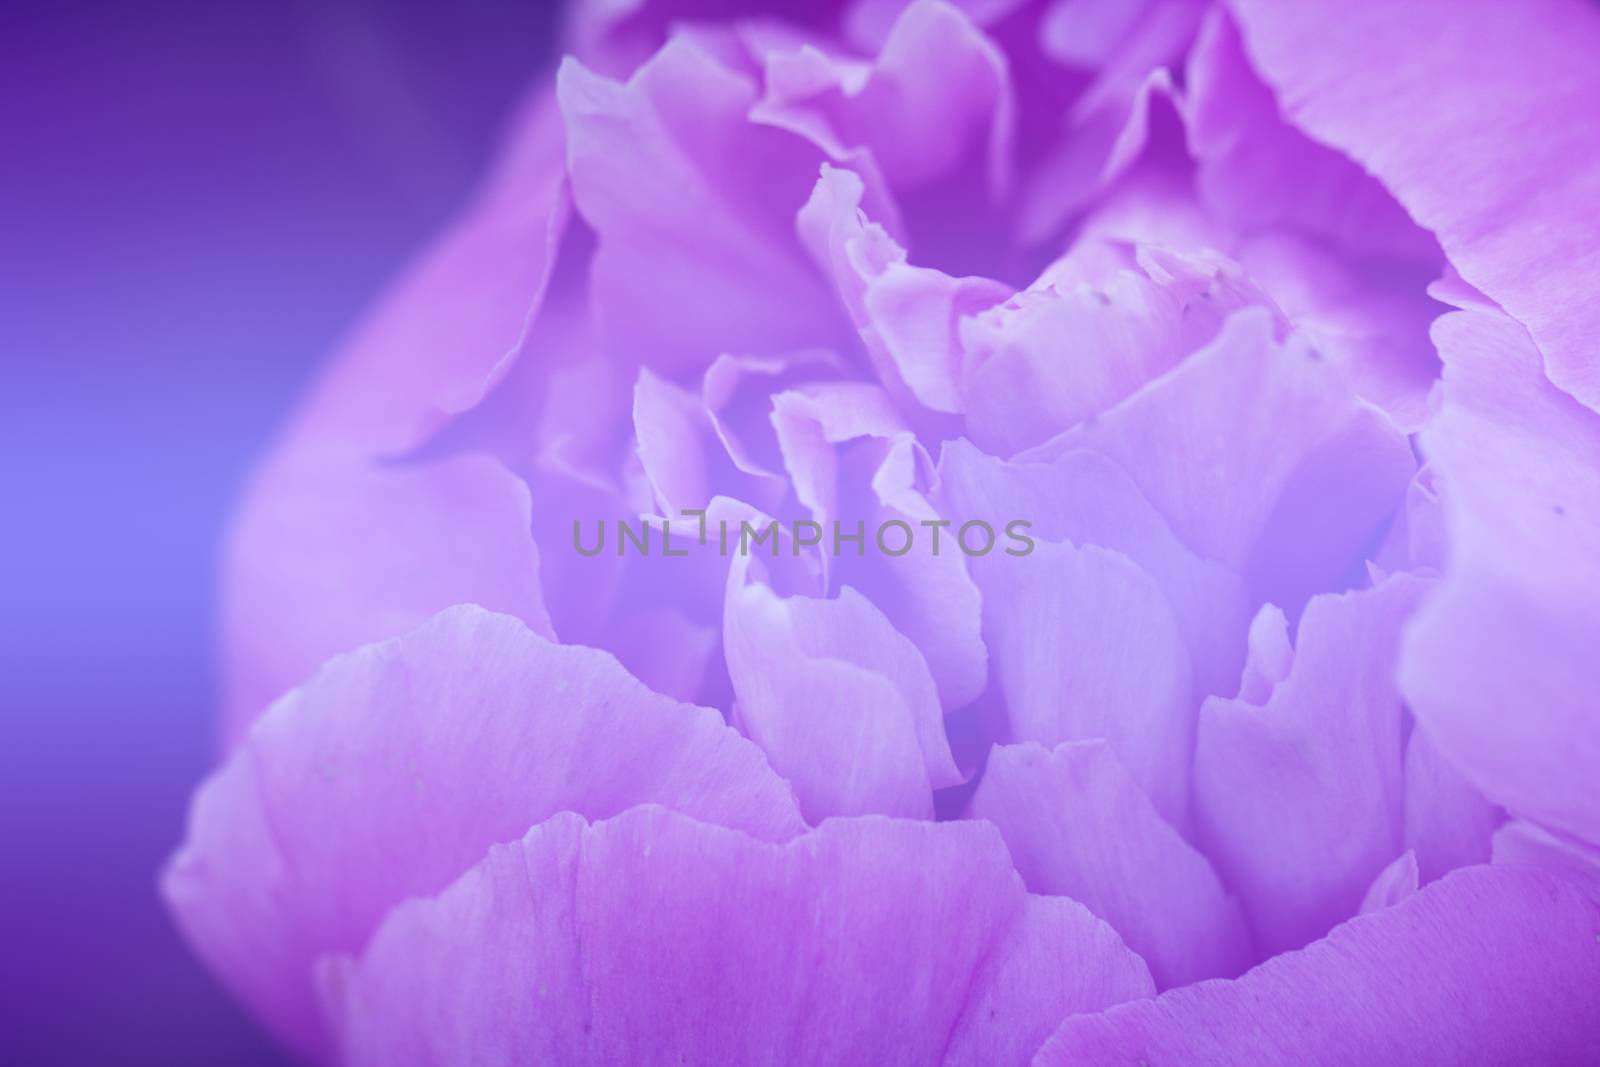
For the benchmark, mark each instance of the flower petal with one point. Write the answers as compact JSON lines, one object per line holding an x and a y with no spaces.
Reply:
{"x":1299,"y":799}
{"x":1519,"y":947}
{"x":1256,"y":171}
{"x":654,"y":938}
{"x":854,"y":465}
{"x":1069,"y":348}
{"x":1077,"y":825}
{"x":937,"y":85}
{"x":392,"y":770}
{"x":1499,"y":666}
{"x":907,"y":315}
{"x":1085,"y":498}
{"x":1260,"y":458}
{"x":330,"y":553}
{"x":1085,"y":646}
{"x":1394,"y":883}
{"x":1448,"y":823}
{"x":713,"y":267}
{"x":1427,"y":96}
{"x":452,"y":326}
{"x":842,"y":704}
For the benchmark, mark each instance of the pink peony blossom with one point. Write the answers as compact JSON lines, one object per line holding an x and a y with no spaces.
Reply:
{"x":1161,"y":448}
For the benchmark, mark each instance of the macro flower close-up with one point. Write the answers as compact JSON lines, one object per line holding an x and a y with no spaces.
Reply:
{"x":951,"y":531}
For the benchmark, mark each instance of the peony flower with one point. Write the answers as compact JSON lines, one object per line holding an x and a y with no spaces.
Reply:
{"x":1161,"y":448}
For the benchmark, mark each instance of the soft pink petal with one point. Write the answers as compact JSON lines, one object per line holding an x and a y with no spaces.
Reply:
{"x":1255,"y":171}
{"x":1261,"y":458}
{"x":1299,"y":799}
{"x":652,"y":938}
{"x":1077,"y":825}
{"x":1488,"y":966}
{"x":1085,"y":498}
{"x":937,"y":86}
{"x":392,"y":770}
{"x":1085,"y":646}
{"x":1448,"y":823}
{"x":1500,"y":666}
{"x":693,"y":207}
{"x":1428,"y":96}
{"x":1394,"y":883}
{"x":841,"y":703}
{"x":331,"y":552}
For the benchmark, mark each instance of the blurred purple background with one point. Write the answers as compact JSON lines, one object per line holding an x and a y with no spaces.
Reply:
{"x":196,"y":200}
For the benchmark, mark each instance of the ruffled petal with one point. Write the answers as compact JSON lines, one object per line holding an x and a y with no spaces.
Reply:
{"x":1500,"y":666}
{"x":1260,"y":458}
{"x":1085,"y":646}
{"x":392,"y":770}
{"x":855,"y":466}
{"x":1372,"y":324}
{"x":1077,"y":825}
{"x":1428,"y":96}
{"x":1487,"y":966}
{"x":1299,"y":799}
{"x":1077,"y":342}
{"x":1256,"y":171}
{"x":908,"y":316}
{"x":1085,"y":498}
{"x":652,"y":938}
{"x":937,"y":85}
{"x":842,"y":704}
{"x":693,"y":206}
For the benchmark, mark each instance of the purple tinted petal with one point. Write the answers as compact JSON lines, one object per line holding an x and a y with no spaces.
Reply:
{"x":1068,"y":348}
{"x":450,"y":328}
{"x":1256,"y":171}
{"x":330,"y":553}
{"x":1077,"y":825}
{"x":1487,"y":966}
{"x":937,"y":85}
{"x":1085,"y":646}
{"x":1085,"y":498}
{"x":1394,"y":883}
{"x":852,"y":463}
{"x":1374,"y":325}
{"x":1269,"y":655}
{"x":737,"y":280}
{"x":1523,"y":844}
{"x":908,"y":316}
{"x":1427,"y":96}
{"x":1299,"y":799}
{"x":842,"y":704}
{"x":1500,"y":666}
{"x":392,"y":770}
{"x":1448,"y":823}
{"x":654,"y":938}
{"x":672,"y":429}
{"x":1260,"y":457}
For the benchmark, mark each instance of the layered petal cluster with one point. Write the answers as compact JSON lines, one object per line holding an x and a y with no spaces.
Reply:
{"x":927,"y":532}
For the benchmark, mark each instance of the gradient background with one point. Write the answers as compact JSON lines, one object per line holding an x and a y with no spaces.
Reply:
{"x":196,"y":201}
